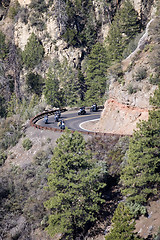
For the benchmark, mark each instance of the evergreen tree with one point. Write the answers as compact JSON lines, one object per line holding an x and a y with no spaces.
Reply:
{"x":3,"y":46}
{"x":129,"y":22}
{"x":12,"y":106}
{"x":141,"y":175}
{"x":2,"y":106}
{"x":33,"y":52}
{"x":82,"y":86}
{"x":80,"y":23}
{"x":34,"y":83}
{"x":122,"y":225}
{"x":52,"y":91}
{"x":72,"y":83}
{"x":75,"y":183}
{"x":124,"y":27}
{"x":96,"y":74}
{"x":69,"y":82}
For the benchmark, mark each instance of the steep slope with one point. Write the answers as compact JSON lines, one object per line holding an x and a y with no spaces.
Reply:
{"x":128,"y":96}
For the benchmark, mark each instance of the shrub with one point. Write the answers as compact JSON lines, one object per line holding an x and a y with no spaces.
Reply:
{"x":123,"y":225}
{"x":154,"y":79}
{"x":140,"y":74}
{"x":10,"y":132}
{"x":132,"y":45}
{"x":13,"y":10}
{"x":116,"y":71}
{"x":37,"y":22}
{"x":38,"y":5}
{"x":3,"y":157}
{"x":23,"y":15}
{"x":27,"y":144}
{"x":2,"y":106}
{"x":136,"y":209}
{"x":131,"y":89}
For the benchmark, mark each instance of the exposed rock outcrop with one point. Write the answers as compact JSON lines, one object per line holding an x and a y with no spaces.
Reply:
{"x":119,"y":118}
{"x":128,"y":101}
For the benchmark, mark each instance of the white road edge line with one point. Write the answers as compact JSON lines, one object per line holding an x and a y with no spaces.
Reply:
{"x":80,"y":125}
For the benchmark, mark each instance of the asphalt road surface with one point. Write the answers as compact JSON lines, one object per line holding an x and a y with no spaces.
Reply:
{"x":71,"y":119}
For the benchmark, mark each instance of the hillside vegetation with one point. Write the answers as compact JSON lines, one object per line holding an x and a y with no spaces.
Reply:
{"x":56,"y":54}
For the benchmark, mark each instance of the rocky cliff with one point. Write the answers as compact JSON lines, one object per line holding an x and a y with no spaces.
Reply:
{"x":128,"y":97}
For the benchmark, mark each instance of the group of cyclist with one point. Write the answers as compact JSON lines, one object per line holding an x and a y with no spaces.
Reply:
{"x":57,"y":115}
{"x":61,"y":123}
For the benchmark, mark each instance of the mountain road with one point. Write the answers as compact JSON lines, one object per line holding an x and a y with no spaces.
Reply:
{"x":71,"y":119}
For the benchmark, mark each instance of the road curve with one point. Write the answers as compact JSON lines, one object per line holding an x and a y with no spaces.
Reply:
{"x":72,"y":120}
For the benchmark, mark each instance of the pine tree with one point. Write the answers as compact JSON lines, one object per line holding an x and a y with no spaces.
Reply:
{"x":52,"y":91}
{"x":122,"y":225}
{"x":124,"y":27}
{"x":33,"y":52}
{"x":2,"y":106}
{"x":82,"y":86}
{"x":96,"y":74}
{"x":12,"y":106}
{"x":141,"y":175}
{"x":34,"y":83}
{"x":75,"y":183}
{"x":3,"y":46}
{"x":70,"y":85}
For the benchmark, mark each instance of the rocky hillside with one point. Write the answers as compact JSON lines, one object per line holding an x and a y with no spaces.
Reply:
{"x":128,"y":95}
{"x":68,"y":33}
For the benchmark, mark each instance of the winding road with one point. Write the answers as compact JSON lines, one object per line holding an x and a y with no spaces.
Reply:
{"x":71,"y":119}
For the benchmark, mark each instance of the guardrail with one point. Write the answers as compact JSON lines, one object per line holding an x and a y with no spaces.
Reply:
{"x":51,"y":112}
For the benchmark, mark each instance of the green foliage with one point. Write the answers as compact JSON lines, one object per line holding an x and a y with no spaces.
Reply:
{"x":23,"y":15}
{"x":13,"y":9}
{"x":116,"y":155}
{"x":38,"y":5}
{"x":136,"y":209}
{"x":22,"y":191}
{"x":141,"y":177}
{"x":2,"y":106}
{"x":73,"y":84}
{"x":75,"y":183}
{"x":140,"y":74}
{"x":124,"y":27}
{"x":115,"y":71}
{"x":132,"y":45}
{"x":64,"y":86}
{"x":3,"y":46}
{"x":80,"y":23}
{"x":52,"y":90}
{"x":3,"y":157}
{"x":34,"y":83}
{"x":37,"y":21}
{"x":157,"y":237}
{"x":33,"y":52}
{"x":27,"y":144}
{"x":96,"y":75}
{"x":122,"y":225}
{"x":12,"y":106}
{"x":154,"y":79}
{"x":10,"y":132}
{"x":131,"y":89}
{"x":82,"y":86}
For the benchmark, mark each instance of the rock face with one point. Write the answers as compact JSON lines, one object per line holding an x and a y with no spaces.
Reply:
{"x":24,"y":2}
{"x":128,"y":100}
{"x":119,"y":118}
